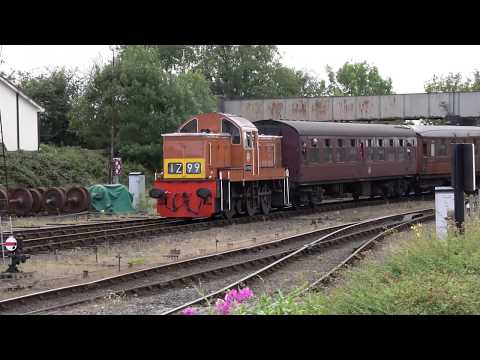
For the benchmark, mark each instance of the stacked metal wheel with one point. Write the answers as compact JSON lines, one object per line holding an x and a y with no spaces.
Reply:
{"x":54,"y":201}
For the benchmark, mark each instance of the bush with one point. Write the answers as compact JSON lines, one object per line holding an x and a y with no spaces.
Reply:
{"x":60,"y":166}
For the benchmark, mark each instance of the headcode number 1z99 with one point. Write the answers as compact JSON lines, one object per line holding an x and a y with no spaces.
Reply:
{"x":193,"y":168}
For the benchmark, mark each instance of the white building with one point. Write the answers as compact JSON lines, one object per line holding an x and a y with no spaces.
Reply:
{"x":20,"y":118}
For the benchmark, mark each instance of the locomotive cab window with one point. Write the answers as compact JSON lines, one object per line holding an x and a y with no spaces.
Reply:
{"x":229,"y":128}
{"x":190,"y":127}
{"x":248,"y":140}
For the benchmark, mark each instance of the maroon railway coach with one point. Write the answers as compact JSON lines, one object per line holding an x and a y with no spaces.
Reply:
{"x":333,"y":159}
{"x":434,"y":151}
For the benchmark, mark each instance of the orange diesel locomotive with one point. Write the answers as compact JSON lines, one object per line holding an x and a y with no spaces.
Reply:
{"x":218,"y":164}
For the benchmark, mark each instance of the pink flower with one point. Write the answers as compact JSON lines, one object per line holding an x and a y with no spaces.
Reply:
{"x":231,"y":296}
{"x":244,"y":294}
{"x":190,"y":311}
{"x":223,"y":307}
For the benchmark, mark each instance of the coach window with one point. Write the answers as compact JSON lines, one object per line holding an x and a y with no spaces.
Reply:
{"x":229,"y":128}
{"x":369,"y":149}
{"x":352,"y":152}
{"x":442,"y":148}
{"x":432,"y":149}
{"x":327,"y":151}
{"x":190,"y":127}
{"x":425,"y":149}
{"x":381,"y":150}
{"x":340,"y":151}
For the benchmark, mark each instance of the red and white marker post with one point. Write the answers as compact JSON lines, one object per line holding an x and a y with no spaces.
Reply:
{"x":10,"y":244}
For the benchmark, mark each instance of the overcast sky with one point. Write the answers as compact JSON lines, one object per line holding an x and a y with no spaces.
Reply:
{"x":409,"y":66}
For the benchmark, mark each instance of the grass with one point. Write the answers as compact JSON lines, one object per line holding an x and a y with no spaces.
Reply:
{"x":418,"y":275}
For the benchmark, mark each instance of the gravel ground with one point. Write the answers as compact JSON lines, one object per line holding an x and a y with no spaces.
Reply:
{"x":67,"y":267}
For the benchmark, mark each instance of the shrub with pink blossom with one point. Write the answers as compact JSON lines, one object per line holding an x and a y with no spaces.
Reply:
{"x":225,"y":306}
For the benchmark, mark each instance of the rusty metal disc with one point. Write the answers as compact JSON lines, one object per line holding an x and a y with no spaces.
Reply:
{"x":77,"y":200}
{"x":54,"y":200}
{"x":3,"y":200}
{"x":21,"y":201}
{"x":88,"y":197}
{"x":37,"y":200}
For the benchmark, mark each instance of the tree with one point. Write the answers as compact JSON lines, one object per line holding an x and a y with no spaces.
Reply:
{"x":238,"y":70}
{"x":55,"y":90}
{"x":143,"y":99}
{"x":357,"y":79}
{"x":453,"y":82}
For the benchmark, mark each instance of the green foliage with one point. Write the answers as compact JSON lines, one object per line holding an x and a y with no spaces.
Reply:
{"x":238,"y":70}
{"x":60,"y":166}
{"x":55,"y":91}
{"x":357,"y":79}
{"x":424,"y":276}
{"x":144,"y":102}
{"x":453,"y":82}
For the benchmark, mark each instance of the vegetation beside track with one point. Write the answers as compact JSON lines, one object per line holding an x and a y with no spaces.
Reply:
{"x":417,"y":275}
{"x":61,"y":166}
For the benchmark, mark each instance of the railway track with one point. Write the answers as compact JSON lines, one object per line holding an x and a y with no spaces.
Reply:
{"x":174,"y":275}
{"x":377,"y":228}
{"x":49,"y":239}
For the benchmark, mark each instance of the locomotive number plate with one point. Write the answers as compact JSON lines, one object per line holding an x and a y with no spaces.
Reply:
{"x":175,"y":168}
{"x":184,"y":168}
{"x":194,"y":167}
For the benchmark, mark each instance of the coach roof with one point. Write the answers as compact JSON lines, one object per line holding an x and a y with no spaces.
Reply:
{"x":446,"y":131}
{"x":322,"y":128}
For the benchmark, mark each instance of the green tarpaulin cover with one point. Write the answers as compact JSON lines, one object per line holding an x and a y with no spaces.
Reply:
{"x":113,"y":198}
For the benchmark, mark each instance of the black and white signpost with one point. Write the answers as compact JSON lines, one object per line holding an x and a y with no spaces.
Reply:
{"x":463,"y":179}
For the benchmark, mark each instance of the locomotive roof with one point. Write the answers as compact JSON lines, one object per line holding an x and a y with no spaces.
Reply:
{"x":241,"y":122}
{"x":323,"y":128}
{"x":432,"y":131}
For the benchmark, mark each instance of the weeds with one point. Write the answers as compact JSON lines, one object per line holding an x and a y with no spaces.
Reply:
{"x":115,"y":299}
{"x":421,"y":275}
